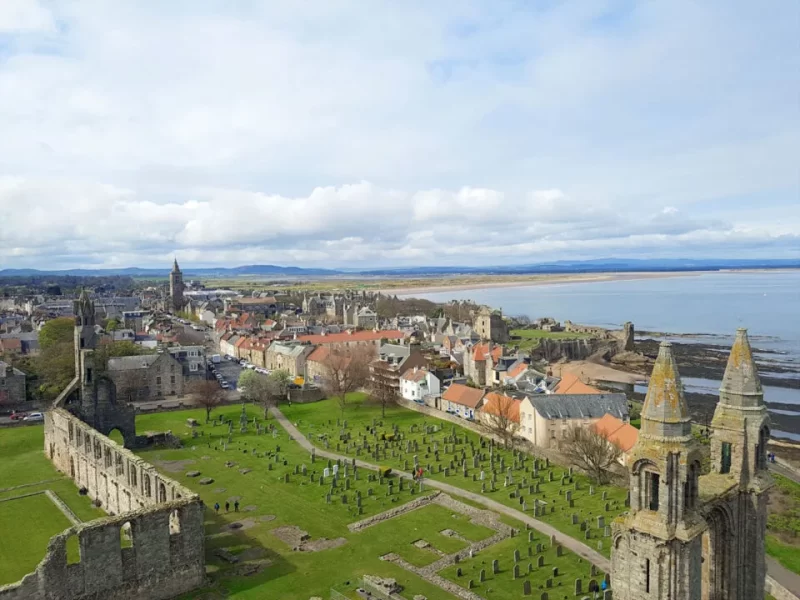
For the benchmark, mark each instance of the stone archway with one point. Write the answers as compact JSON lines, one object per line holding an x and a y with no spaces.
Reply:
{"x":718,"y":548}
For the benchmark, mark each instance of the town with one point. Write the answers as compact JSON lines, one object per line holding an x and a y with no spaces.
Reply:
{"x":533,"y":420}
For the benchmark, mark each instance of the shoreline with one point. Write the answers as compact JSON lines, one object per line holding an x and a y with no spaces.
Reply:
{"x":541,"y":280}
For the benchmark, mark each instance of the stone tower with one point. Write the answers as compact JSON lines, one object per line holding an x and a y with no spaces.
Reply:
{"x":490,"y":326}
{"x":735,"y":564}
{"x":92,"y":396}
{"x":657,"y":549}
{"x":176,"y":288}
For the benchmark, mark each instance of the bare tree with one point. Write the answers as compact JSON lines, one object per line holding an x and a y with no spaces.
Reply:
{"x":207,"y":393}
{"x":590,"y":451}
{"x":264,"y":392}
{"x":382,"y":392}
{"x":346,"y":370}
{"x":501,"y":417}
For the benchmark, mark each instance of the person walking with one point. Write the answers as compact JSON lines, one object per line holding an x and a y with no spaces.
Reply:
{"x":236,"y":506}
{"x":216,"y":507}
{"x":227,"y":507}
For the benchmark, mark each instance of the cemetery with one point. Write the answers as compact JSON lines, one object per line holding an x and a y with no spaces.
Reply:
{"x":292,"y":524}
{"x":409,"y":441}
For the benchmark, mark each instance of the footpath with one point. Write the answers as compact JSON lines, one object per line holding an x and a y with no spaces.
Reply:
{"x":567,"y":542}
{"x":787,"y":579}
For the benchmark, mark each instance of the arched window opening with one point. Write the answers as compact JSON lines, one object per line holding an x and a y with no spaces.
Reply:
{"x":651,"y":490}
{"x":174,"y":522}
{"x":146,"y":484}
{"x":162,"y":492}
{"x":126,"y":535}
{"x":73,"y":550}
{"x":132,"y":475}
{"x":761,"y":449}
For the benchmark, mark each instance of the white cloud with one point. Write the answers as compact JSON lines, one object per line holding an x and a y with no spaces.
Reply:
{"x":350,"y":132}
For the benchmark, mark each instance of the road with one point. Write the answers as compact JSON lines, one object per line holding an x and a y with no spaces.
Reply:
{"x":571,"y":544}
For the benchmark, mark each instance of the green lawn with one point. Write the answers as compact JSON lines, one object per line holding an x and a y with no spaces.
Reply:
{"x":504,"y":585}
{"x":783,"y":523}
{"x":27,"y":525}
{"x":320,"y":421}
{"x":263,"y":494}
{"x":532,"y":337}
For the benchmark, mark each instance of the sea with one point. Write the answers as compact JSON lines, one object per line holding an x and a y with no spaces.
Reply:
{"x":702,"y":308}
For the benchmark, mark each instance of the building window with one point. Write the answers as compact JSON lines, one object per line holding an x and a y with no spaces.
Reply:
{"x":158,"y":380}
{"x":653,"y":481}
{"x":172,"y":379}
{"x":725,"y":466}
{"x":647,"y":576}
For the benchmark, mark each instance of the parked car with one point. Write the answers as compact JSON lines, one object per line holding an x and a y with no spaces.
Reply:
{"x":17,"y":416}
{"x":224,"y":385}
{"x":243,"y":362}
{"x":34,"y":416}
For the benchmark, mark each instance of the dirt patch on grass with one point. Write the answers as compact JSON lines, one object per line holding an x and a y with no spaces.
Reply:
{"x":174,"y":466}
{"x":240,"y":525}
{"x":300,"y":541}
{"x":266,"y":518}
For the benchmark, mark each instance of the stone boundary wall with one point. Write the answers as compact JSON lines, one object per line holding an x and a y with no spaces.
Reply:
{"x":154,"y":548}
{"x":392,"y":512}
{"x":777,"y":591}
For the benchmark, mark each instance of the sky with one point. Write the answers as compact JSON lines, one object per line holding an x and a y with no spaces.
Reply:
{"x":362,"y":133}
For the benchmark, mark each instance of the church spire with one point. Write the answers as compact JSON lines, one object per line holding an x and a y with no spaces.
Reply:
{"x":665,"y":413}
{"x":175,"y":267}
{"x":741,"y":385}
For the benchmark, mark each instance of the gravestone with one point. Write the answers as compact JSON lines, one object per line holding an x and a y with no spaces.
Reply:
{"x":540,"y":561}
{"x":555,"y":571}
{"x":482,"y":575}
{"x":526,"y":588}
{"x":516,"y":556}
{"x":578,"y":587}
{"x":495,"y":567}
{"x":515,"y":574}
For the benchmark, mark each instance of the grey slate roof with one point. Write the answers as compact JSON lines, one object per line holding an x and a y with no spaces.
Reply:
{"x":580,"y":406}
{"x":128,"y":363}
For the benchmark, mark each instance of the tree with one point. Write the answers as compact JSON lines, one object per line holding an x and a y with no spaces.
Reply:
{"x":208,"y":394}
{"x":112,"y":325}
{"x":280,"y":380}
{"x":501,"y":417}
{"x":345,"y":371}
{"x":56,"y":331}
{"x":590,"y":451}
{"x":261,"y":390}
{"x":382,"y":392}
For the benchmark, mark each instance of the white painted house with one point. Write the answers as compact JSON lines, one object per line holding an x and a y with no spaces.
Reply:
{"x":417,"y":383}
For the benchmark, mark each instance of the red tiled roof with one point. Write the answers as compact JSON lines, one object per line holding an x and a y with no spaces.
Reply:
{"x":498,"y":404}
{"x":480,"y":352}
{"x":621,"y":434}
{"x":11,"y":344}
{"x":464,"y":395}
{"x":319,"y":354}
{"x":518,"y":370}
{"x":571,"y":384}
{"x":356,"y":336}
{"x":412,"y":375}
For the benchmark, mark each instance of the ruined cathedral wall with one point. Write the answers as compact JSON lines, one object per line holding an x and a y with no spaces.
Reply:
{"x":112,"y":475}
{"x":153,"y":545}
{"x":161,"y":557}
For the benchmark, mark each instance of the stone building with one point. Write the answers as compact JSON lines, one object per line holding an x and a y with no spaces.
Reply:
{"x":288,"y":357}
{"x":176,"y":300}
{"x":687,"y":536}
{"x":12,"y":386}
{"x":147,"y":376}
{"x":490,"y":325}
{"x":162,"y":518}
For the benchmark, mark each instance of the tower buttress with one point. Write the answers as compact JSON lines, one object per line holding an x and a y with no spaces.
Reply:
{"x":656,"y":551}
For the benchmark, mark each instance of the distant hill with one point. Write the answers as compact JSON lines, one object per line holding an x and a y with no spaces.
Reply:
{"x":599,"y":265}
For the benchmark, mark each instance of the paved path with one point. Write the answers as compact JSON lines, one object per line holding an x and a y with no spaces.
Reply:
{"x":787,"y":472}
{"x":786,"y":578}
{"x":569,"y":543}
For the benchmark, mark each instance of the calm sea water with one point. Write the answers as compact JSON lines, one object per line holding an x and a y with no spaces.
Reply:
{"x":711,"y":305}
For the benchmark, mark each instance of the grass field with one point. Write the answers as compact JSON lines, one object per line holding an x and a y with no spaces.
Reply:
{"x":29,"y":523}
{"x":531,"y":338}
{"x":320,"y":421}
{"x":783,"y":524}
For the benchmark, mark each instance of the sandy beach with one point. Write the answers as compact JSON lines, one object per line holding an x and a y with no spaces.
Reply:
{"x":459,"y":283}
